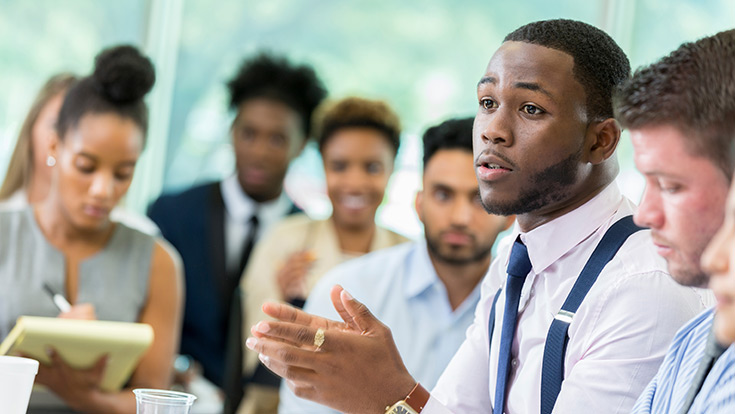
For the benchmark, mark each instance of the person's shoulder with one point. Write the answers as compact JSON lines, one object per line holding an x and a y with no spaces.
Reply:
{"x":698,"y":326}
{"x":195,"y":193}
{"x":15,"y":217}
{"x":389,"y":237}
{"x":296,"y":222}
{"x":637,"y":256}
{"x":172,"y":209}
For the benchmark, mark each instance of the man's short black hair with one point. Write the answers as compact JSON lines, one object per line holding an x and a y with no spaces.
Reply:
{"x":693,"y":89}
{"x":600,"y":65}
{"x":451,"y":134}
{"x":274,"y":77}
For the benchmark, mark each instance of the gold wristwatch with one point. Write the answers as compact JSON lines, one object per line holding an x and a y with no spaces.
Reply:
{"x":412,"y":404}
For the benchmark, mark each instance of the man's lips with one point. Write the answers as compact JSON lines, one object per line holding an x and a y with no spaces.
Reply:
{"x":494,"y":161}
{"x":491,"y":167}
{"x":456,"y":238}
{"x":256,"y":175}
{"x":663,"y":248}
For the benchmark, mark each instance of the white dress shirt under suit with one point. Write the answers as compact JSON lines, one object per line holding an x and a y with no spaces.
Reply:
{"x":618,"y":337}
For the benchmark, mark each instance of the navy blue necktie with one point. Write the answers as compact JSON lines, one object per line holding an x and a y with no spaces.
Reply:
{"x":518,"y":268}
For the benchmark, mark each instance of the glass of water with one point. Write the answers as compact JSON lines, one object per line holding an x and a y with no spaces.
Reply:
{"x":150,"y":401}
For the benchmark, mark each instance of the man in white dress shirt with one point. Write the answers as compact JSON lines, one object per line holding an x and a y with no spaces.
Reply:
{"x":544,"y":146}
{"x":425,"y":291}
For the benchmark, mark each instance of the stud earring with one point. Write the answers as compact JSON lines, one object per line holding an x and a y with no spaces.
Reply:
{"x":50,"y":161}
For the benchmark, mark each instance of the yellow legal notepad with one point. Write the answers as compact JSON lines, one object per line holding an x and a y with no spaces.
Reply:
{"x":81,"y":343}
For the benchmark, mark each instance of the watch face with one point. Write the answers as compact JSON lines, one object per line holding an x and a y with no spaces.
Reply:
{"x":401,"y":408}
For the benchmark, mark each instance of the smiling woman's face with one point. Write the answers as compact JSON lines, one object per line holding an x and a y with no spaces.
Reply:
{"x":718,"y":261}
{"x":358,"y":162}
{"x":95,"y":165}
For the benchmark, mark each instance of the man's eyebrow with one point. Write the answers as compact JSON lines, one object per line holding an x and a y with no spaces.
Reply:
{"x":532,"y":86}
{"x":487,"y":79}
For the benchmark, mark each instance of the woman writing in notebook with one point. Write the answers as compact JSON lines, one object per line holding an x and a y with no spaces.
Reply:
{"x":106,"y":270}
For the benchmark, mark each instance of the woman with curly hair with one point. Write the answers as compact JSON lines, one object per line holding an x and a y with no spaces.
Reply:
{"x":358,"y":140}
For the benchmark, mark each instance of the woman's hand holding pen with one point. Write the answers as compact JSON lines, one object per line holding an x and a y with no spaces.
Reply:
{"x":80,"y":311}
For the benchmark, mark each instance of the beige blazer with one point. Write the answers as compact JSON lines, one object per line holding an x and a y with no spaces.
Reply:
{"x":292,"y":234}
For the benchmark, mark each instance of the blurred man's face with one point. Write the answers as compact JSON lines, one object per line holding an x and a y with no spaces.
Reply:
{"x":458,"y":230}
{"x":684,"y":200}
{"x":266,"y":135}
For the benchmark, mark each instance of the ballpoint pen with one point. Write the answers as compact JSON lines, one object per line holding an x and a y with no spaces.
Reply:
{"x":59,"y":300}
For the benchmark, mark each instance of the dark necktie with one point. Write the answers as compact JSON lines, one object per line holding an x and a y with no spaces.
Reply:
{"x":247,"y":247}
{"x":519,"y":266}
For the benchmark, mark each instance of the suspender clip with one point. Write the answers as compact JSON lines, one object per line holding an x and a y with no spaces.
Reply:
{"x":564,"y":316}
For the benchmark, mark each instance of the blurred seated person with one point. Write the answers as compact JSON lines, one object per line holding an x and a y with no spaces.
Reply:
{"x":358,"y":140}
{"x":215,"y":225}
{"x":425,"y":291}
{"x":105,"y":269}
{"x":717,"y":392}
{"x":28,"y":177}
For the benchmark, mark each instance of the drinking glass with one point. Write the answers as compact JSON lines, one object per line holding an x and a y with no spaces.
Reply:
{"x":150,"y":401}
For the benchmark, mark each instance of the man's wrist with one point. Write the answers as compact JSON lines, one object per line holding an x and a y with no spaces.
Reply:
{"x":415,"y":400}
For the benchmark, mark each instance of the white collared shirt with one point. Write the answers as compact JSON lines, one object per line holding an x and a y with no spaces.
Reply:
{"x":239,"y":207}
{"x":618,"y":336}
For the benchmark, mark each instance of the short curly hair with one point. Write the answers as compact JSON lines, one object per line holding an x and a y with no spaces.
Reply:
{"x":357,"y":112}
{"x":269,"y":76}
{"x":693,"y":88}
{"x":600,"y":65}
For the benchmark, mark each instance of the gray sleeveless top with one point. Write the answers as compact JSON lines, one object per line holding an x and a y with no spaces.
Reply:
{"x":114,"y":280}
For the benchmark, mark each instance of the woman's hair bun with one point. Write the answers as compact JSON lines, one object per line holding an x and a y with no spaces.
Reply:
{"x":122,"y":74}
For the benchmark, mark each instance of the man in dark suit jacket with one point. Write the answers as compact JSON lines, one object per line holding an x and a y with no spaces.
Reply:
{"x":214,"y":226}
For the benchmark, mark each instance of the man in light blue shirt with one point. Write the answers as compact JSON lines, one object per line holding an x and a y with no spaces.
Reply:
{"x":681,"y":116}
{"x":425,"y":291}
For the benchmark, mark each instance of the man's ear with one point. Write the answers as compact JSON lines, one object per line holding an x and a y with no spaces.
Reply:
{"x":418,"y":204}
{"x":603,"y":138}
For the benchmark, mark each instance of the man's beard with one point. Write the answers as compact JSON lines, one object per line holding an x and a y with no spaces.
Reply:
{"x":546,"y":187}
{"x":478,"y":254}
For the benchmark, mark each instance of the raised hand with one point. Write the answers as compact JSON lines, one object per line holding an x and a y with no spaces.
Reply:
{"x":291,"y":276}
{"x":357,"y":369}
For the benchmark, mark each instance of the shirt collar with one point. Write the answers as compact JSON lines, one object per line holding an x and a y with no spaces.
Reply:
{"x":241,"y":207}
{"x":419,"y":273}
{"x":550,"y":241}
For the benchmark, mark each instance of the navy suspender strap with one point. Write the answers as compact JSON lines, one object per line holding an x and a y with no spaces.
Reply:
{"x":552,"y":373}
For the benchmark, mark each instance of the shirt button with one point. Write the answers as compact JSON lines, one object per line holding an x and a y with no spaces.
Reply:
{"x":514,"y":362}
